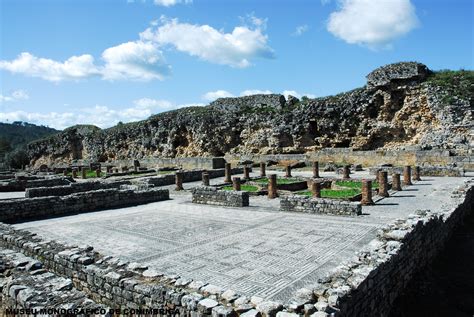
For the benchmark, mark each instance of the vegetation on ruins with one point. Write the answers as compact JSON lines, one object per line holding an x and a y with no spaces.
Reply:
{"x":280,"y":181}
{"x":243,"y":187}
{"x":456,"y":84}
{"x":354,"y":184}
{"x":334,"y":193}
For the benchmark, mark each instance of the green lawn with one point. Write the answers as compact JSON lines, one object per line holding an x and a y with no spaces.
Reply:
{"x":89,"y":174}
{"x":330,"y":193}
{"x":280,"y":181}
{"x":355,"y":184}
{"x":245,"y":188}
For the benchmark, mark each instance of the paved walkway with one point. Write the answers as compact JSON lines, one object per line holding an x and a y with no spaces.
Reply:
{"x":255,"y":250}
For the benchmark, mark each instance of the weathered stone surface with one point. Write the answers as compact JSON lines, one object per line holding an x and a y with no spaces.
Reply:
{"x":398,"y":73}
{"x":399,"y":110}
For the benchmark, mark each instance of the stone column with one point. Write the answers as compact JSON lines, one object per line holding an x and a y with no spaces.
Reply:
{"x":272,"y":186}
{"x":407,"y":175}
{"x":417,"y":174}
{"x":136,"y":165}
{"x":288,"y":171}
{"x":366,"y":193}
{"x":74,"y":173}
{"x":316,"y":189}
{"x":236,"y":183}
{"x":178,"y":178}
{"x":377,"y":177}
{"x":396,"y":185}
{"x":316,"y":169}
{"x":228,"y":173}
{"x":246,"y":172}
{"x":383,"y":184}
{"x":97,"y":172}
{"x":346,"y":171}
{"x":262,"y":169}
{"x":83,"y":173}
{"x":205,"y":178}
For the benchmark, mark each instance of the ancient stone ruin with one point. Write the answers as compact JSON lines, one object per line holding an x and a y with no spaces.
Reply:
{"x":312,"y":207}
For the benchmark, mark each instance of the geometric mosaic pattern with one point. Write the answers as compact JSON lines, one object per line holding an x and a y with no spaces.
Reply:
{"x":253,"y":250}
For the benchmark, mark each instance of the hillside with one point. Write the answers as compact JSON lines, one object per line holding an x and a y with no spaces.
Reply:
{"x":403,"y":105}
{"x":15,"y":136}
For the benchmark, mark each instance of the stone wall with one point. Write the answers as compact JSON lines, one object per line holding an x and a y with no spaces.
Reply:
{"x":16,"y":210}
{"x":189,"y":176}
{"x":160,"y":162}
{"x":424,"y":171}
{"x":72,"y":188}
{"x":345,"y":156}
{"x":27,"y":285}
{"x":369,"y":284}
{"x":297,"y":203}
{"x":20,"y":184}
{"x":212,"y":196}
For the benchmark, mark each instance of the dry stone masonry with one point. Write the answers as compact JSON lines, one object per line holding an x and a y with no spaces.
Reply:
{"x":305,"y":204}
{"x":212,"y":196}
{"x":15,"y":210}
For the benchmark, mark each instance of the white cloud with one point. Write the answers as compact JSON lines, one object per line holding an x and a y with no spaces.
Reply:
{"x":213,"y":95}
{"x":250,"y":92}
{"x":296,"y":94}
{"x":168,"y":3}
{"x":235,"y":49}
{"x":148,"y":103}
{"x":16,"y":95}
{"x":101,"y":116}
{"x":75,"y":67}
{"x":372,"y":23}
{"x":300,"y":30}
{"x":132,"y":61}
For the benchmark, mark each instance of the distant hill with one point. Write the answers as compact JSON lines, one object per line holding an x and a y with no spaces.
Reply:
{"x":14,"y":136}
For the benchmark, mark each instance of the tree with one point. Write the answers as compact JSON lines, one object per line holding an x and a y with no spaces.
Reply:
{"x":4,"y":147}
{"x":17,"y":158}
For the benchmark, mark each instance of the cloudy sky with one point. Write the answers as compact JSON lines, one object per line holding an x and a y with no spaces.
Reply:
{"x":103,"y":61}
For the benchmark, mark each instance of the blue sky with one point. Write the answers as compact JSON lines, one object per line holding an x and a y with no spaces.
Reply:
{"x":103,"y":61}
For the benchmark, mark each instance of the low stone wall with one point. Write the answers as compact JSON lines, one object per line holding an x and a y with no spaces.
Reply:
{"x":16,"y":210}
{"x":20,"y":184}
{"x":297,"y":203}
{"x":212,"y":196}
{"x":424,"y":170}
{"x":158,"y":162}
{"x":345,"y":156}
{"x":369,"y":284}
{"x":72,"y":188}
{"x":189,"y":176}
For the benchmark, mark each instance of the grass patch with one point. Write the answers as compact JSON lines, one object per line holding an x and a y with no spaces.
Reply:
{"x":458,"y":84}
{"x":331,"y":193}
{"x":280,"y":181}
{"x":355,"y":184}
{"x":245,"y":188}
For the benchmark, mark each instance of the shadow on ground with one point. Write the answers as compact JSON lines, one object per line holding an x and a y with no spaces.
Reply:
{"x":446,"y":288}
